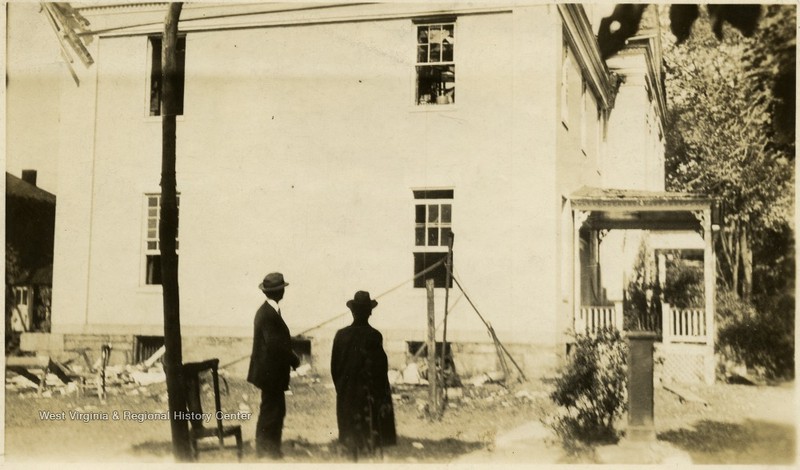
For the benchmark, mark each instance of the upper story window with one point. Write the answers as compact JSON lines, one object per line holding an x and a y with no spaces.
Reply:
{"x":432,"y":227}
{"x":152,"y":250}
{"x":154,"y":85}
{"x":436,"y":69}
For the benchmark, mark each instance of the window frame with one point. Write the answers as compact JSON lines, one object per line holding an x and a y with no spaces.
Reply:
{"x":147,"y":251}
{"x":441,"y":65}
{"x":427,"y":197}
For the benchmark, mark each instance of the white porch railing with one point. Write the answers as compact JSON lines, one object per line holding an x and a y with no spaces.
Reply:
{"x":684,"y":325}
{"x":594,"y":318}
{"x":687,"y":325}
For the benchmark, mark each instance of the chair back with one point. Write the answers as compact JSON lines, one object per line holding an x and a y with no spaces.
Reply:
{"x":194,"y":402}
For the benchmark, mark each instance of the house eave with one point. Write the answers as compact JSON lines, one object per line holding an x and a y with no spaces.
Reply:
{"x":582,"y":40}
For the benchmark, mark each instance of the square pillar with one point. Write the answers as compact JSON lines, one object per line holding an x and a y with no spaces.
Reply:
{"x":641,"y":408}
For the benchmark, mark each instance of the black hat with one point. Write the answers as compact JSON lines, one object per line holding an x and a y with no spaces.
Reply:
{"x":362,"y":299}
{"x":272,"y":282}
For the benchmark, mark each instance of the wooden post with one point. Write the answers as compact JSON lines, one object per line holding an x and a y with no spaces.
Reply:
{"x":666,"y":323}
{"x":168,"y":227}
{"x":579,"y":217}
{"x":448,"y":266}
{"x":709,"y":265}
{"x":433,"y":406}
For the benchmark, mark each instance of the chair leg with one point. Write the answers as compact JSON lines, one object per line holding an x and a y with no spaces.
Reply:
{"x":194,"y":450}
{"x":239,"y":447}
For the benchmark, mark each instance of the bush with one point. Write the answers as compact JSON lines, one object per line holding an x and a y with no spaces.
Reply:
{"x":762,"y":339}
{"x":592,"y":390}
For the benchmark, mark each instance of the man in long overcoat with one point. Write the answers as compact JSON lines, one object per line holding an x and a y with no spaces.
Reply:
{"x":359,"y":367}
{"x":269,"y":366}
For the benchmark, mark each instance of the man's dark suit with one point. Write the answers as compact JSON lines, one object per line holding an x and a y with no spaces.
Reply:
{"x":269,"y":370}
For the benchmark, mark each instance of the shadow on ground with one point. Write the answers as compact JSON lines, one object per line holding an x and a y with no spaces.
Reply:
{"x":749,"y":442}
{"x":406,"y":450}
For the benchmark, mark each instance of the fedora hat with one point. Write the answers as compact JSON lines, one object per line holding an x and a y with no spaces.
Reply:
{"x":272,"y":281}
{"x":362,"y":299}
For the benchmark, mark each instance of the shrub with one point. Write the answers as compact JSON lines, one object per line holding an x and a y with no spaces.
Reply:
{"x":762,"y":339}
{"x":591,"y":391}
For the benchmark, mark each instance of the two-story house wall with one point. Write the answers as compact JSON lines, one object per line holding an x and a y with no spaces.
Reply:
{"x":340,"y":145}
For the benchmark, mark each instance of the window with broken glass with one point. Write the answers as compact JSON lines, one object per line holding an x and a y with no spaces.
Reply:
{"x":436,"y":69}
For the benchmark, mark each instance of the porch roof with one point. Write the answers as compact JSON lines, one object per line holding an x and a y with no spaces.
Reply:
{"x":638,"y":209}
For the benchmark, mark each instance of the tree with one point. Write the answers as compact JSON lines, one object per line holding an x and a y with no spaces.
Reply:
{"x":721,"y":142}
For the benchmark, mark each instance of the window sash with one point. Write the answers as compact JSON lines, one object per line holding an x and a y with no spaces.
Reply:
{"x":433,"y":222}
{"x":152,"y":242}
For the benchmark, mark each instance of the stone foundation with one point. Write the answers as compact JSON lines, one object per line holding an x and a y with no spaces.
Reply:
{"x":471,"y":358}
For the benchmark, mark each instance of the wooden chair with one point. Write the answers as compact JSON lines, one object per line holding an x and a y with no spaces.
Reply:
{"x":191,"y":376}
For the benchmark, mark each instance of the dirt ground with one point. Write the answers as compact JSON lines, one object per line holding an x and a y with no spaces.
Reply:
{"x":469,"y":423}
{"x":739,"y":425}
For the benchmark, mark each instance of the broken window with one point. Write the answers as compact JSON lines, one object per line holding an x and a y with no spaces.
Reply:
{"x":155,"y":84}
{"x":436,"y":70}
{"x":152,"y":240}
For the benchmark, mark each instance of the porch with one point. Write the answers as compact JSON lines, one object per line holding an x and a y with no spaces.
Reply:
{"x":686,"y":330}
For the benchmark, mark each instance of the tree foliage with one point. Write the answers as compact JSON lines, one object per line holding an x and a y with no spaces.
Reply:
{"x":721,"y":140}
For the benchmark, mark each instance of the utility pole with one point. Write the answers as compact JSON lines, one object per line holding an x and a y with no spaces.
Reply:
{"x":168,"y":229}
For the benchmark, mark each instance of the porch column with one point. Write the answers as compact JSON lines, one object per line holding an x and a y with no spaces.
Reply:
{"x":579,"y":217}
{"x":709,"y":275}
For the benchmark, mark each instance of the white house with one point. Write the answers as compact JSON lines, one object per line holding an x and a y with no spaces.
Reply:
{"x":340,"y":144}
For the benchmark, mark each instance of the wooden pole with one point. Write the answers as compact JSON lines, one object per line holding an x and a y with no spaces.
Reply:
{"x":448,"y":269}
{"x":433,"y":407}
{"x":168,"y":229}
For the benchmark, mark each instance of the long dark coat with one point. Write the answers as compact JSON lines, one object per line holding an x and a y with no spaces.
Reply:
{"x":272,"y":351}
{"x":359,"y":368}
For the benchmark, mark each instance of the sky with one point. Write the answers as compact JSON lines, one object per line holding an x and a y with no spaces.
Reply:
{"x":34,"y":71}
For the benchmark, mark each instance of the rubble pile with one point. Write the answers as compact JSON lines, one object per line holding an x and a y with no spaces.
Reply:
{"x":72,"y":377}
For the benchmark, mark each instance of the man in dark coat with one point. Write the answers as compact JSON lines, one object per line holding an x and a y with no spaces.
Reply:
{"x":359,"y":368}
{"x":269,"y":367}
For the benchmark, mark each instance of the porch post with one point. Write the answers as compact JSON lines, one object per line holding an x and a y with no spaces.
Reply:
{"x":579,"y":217}
{"x":709,"y":265}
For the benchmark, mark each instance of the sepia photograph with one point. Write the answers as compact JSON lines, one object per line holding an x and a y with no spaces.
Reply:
{"x":455,"y":233}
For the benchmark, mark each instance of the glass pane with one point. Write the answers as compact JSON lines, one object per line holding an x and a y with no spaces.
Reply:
{"x":435,"y":34}
{"x":422,"y":53}
{"x":447,"y":52}
{"x":152,"y":246}
{"x":419,"y":236}
{"x":448,"y":33}
{"x":422,"y":35}
{"x":433,"y":213}
{"x":446,"y":213}
{"x":420,"y":218}
{"x":436,"y":53}
{"x":151,"y":233}
{"x":152,"y":212}
{"x":433,"y":237}
{"x":445,"y":236}
{"x":152,"y":201}
{"x":152,"y":223}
